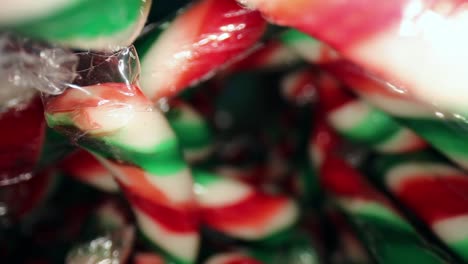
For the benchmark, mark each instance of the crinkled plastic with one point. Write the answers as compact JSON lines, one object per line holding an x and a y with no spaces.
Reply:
{"x":110,"y":249}
{"x":28,"y":66}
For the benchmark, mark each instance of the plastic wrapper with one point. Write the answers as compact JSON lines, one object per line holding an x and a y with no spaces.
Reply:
{"x":29,"y":66}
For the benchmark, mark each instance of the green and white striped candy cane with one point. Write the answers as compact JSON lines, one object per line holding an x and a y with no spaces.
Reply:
{"x":433,"y":190}
{"x":239,"y":210}
{"x":121,"y":128}
{"x":80,"y":24}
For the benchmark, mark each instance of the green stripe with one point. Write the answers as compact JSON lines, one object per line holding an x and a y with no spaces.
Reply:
{"x":291,"y":36}
{"x":392,"y":241}
{"x":86,"y":19}
{"x":375,"y":128}
{"x":164,"y":159}
{"x":205,"y":178}
{"x":449,"y":137}
{"x":460,"y":248}
{"x":192,"y":135}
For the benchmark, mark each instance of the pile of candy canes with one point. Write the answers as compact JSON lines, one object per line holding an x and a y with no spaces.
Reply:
{"x":234,"y":132}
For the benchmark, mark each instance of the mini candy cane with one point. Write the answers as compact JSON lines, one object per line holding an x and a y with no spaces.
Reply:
{"x":207,"y":35}
{"x":239,"y":210}
{"x":433,"y":190}
{"x":361,"y":123}
{"x":403,"y":41}
{"x":232,"y":258}
{"x":79,"y":24}
{"x":119,"y":126}
{"x":193,"y":132}
{"x":86,"y":168}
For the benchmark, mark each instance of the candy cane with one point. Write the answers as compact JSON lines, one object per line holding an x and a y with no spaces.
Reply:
{"x":433,"y":190}
{"x":380,"y":225}
{"x":207,"y":35}
{"x":403,"y":41}
{"x":361,"y":123}
{"x":239,"y":210}
{"x":78,"y":24}
{"x":119,"y":126}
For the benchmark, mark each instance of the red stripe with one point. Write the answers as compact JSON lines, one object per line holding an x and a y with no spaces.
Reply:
{"x":242,"y":260}
{"x":435,"y":198}
{"x":343,"y":180}
{"x":260,"y":58}
{"x":332,"y":93}
{"x":339,"y":23}
{"x":82,"y":164}
{"x":183,"y":220}
{"x":361,"y":81}
{"x":259,"y":208}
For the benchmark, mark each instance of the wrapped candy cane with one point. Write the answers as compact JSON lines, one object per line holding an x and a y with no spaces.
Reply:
{"x":120,"y":127}
{"x":79,"y":24}
{"x":361,"y":123}
{"x":239,"y":210}
{"x":207,"y":35}
{"x":387,"y":234}
{"x":192,"y":130}
{"x":433,"y":190}
{"x":402,"y":41}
